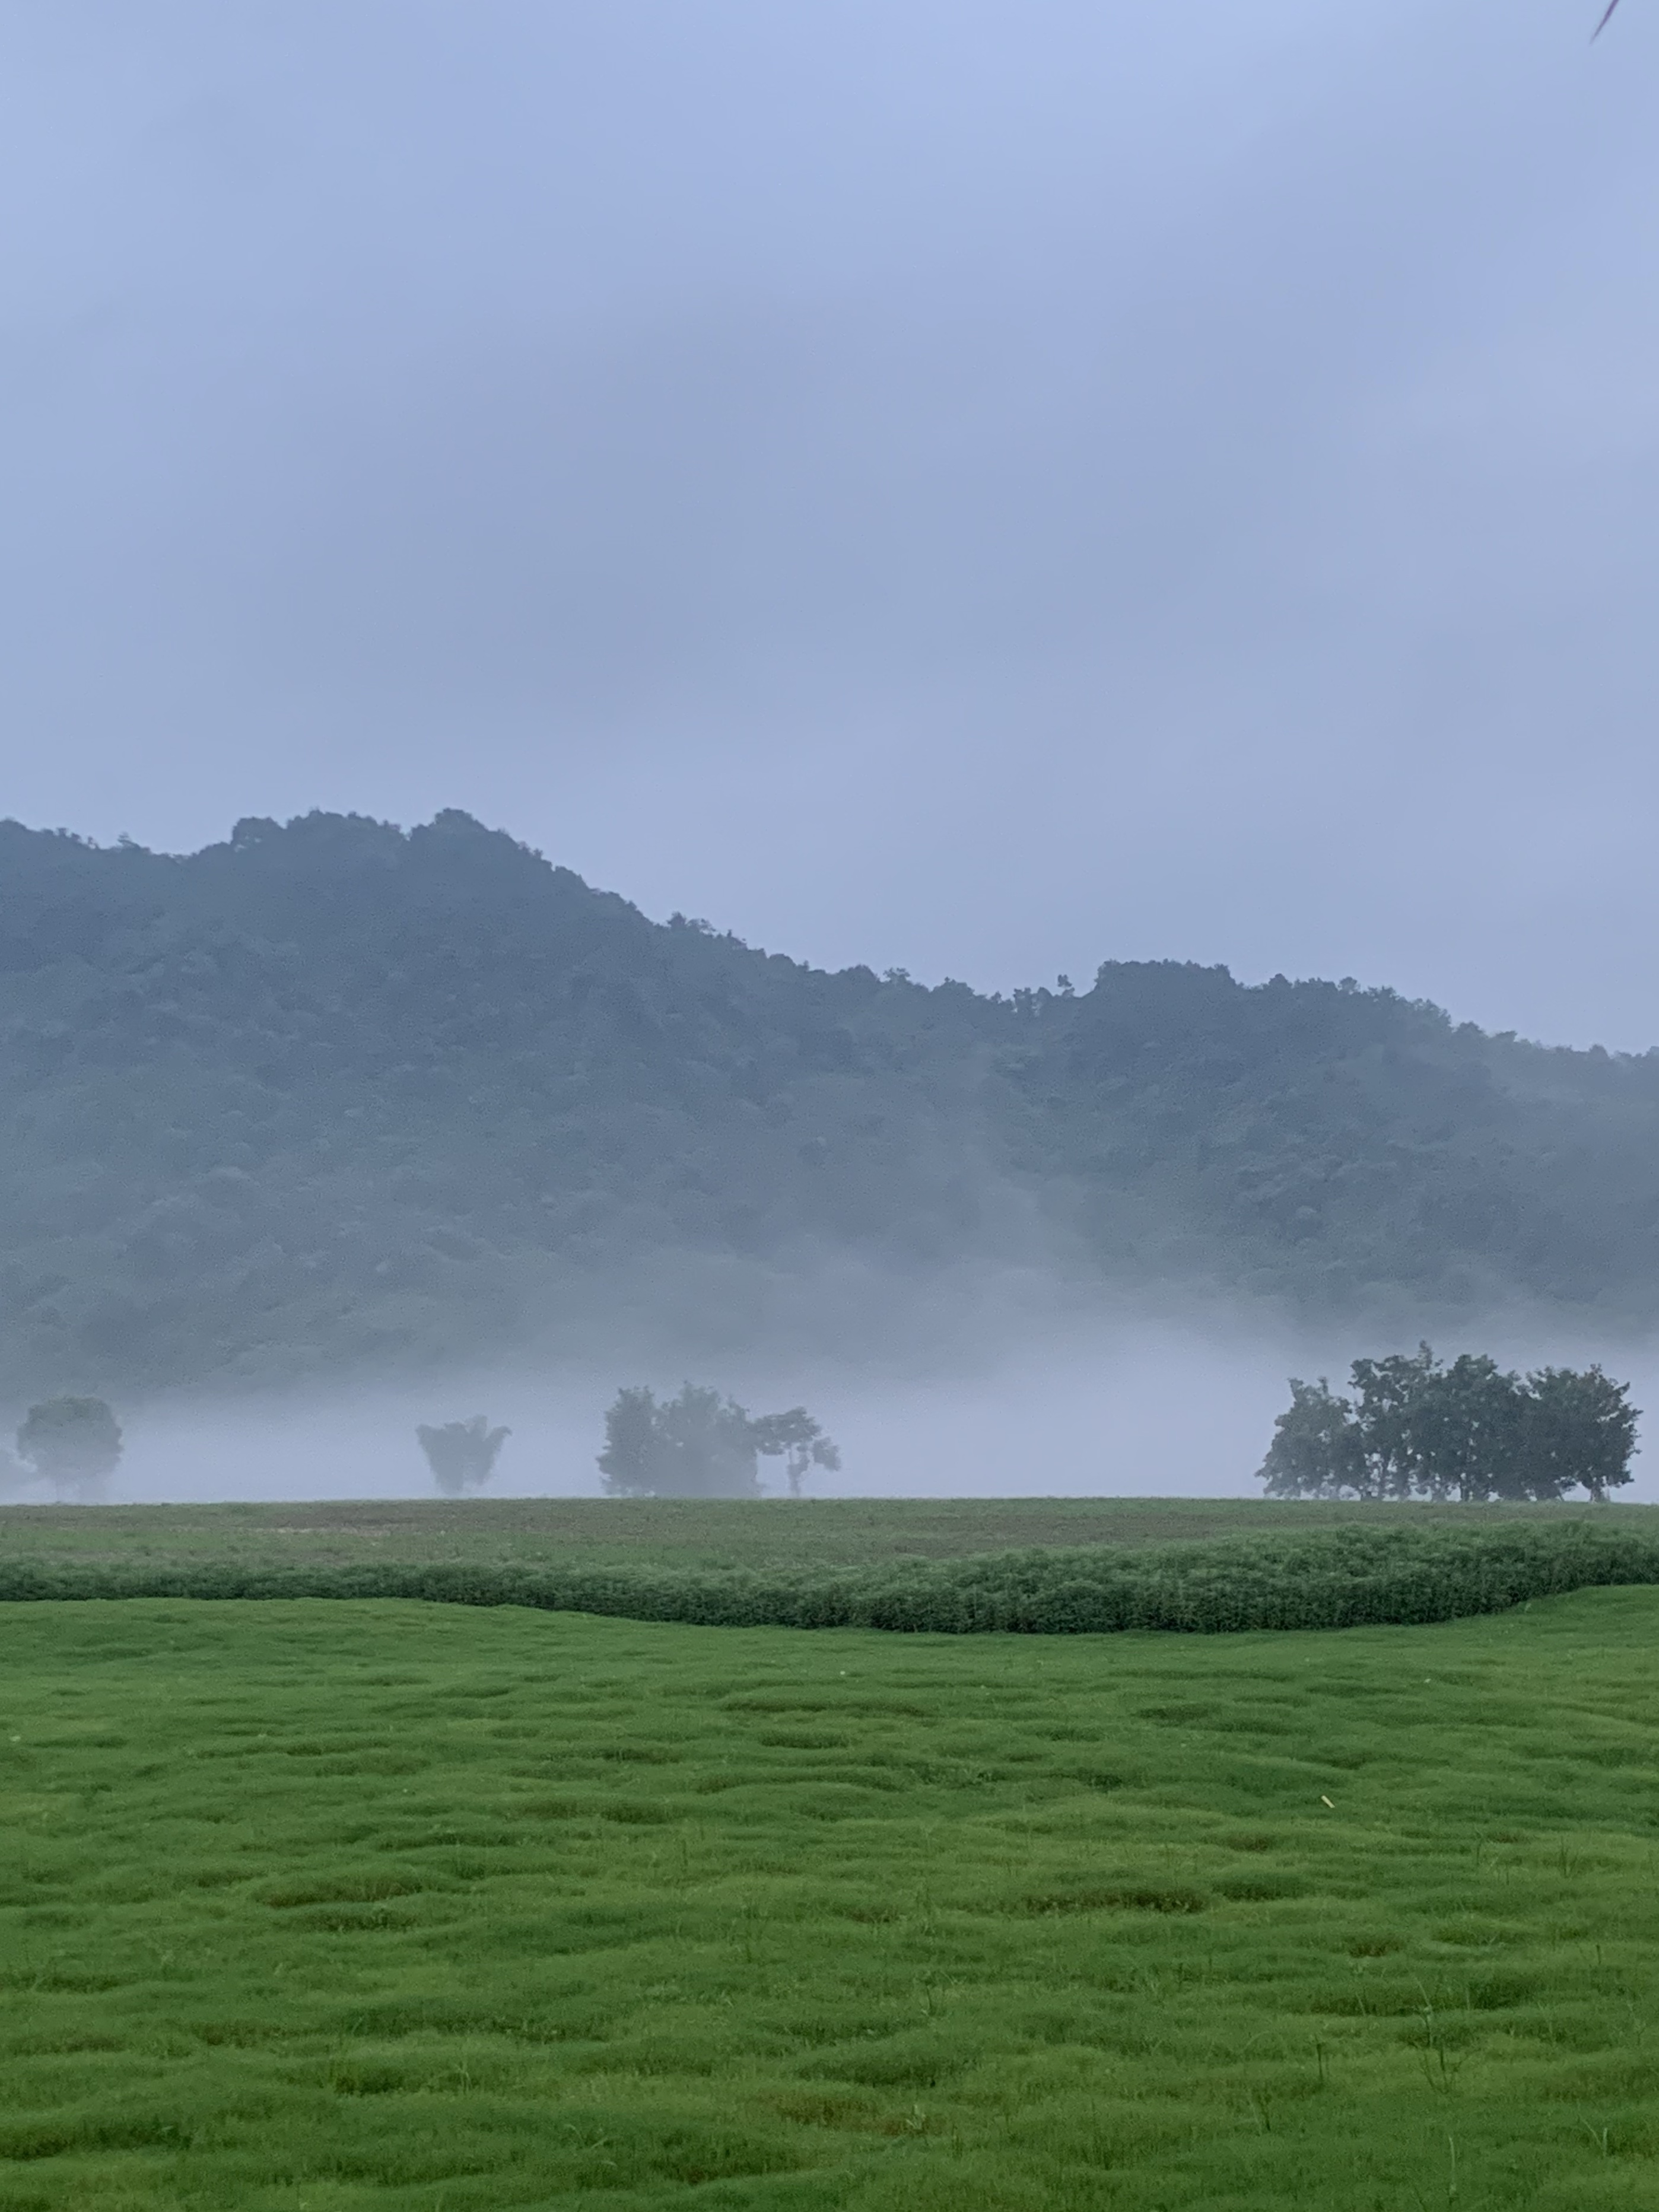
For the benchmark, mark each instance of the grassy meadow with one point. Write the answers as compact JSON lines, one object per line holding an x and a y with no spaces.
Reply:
{"x":312,"y":1907}
{"x":677,"y":1534}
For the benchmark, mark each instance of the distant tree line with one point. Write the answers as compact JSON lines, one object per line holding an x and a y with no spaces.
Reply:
{"x":702,"y":1445}
{"x":1410,"y":1426}
{"x":698,"y":1444}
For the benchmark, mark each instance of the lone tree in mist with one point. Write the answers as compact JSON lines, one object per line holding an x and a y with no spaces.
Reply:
{"x":1410,"y":1426}
{"x":702,"y":1445}
{"x":798,"y":1440}
{"x":462,"y":1454}
{"x":75,"y":1442}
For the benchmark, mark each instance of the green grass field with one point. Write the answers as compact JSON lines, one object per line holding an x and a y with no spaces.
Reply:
{"x":851,"y":1531}
{"x":322,"y":1906}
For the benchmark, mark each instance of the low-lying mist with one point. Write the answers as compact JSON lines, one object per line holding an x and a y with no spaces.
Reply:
{"x":1102,"y":1406}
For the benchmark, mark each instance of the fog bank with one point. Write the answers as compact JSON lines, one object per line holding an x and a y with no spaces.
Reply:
{"x":1159,"y":1409}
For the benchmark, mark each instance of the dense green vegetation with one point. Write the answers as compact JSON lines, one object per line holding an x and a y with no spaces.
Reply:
{"x":680,"y":1534}
{"x":332,"y":1093}
{"x":1414,"y":1427}
{"x":318,"y":1908}
{"x":1337,"y":1576}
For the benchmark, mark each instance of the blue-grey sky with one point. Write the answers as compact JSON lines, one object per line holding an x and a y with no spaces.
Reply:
{"x":977,"y":487}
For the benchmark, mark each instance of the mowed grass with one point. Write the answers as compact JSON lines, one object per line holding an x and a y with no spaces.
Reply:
{"x":321,"y":1906}
{"x":686,"y":1533}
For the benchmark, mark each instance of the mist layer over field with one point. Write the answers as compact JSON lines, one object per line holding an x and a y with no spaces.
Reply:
{"x":1165,"y":1408}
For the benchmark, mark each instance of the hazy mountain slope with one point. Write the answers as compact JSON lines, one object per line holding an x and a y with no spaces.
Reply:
{"x":333,"y":1093}
{"x":1329,"y":1139}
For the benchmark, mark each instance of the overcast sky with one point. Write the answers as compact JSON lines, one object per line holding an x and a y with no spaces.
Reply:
{"x":981,"y":487}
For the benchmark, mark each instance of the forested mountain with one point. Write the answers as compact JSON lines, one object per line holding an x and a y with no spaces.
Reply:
{"x":332,"y":1092}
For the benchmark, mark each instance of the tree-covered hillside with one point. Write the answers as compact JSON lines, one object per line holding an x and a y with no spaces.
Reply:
{"x":332,"y":1092}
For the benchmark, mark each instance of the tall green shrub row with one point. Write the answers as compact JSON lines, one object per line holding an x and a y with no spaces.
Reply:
{"x":1338,"y":1579}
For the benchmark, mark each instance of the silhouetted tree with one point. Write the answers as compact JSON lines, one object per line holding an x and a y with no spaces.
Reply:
{"x":1467,"y":1431}
{"x":634,"y":1460}
{"x":1581,"y":1429}
{"x":1415,"y":1428}
{"x":696,"y":1445}
{"x":702,"y":1445}
{"x":798,"y":1439}
{"x":75,"y":1442}
{"x":1315,"y":1452}
{"x":462,"y":1454}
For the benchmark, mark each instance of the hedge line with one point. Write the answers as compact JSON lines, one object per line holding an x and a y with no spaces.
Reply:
{"x":1328,"y":1578}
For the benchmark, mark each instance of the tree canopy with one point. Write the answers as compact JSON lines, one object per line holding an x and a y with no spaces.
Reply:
{"x":334,"y":1093}
{"x":462,"y":1455}
{"x":74,"y":1442}
{"x":700,"y":1444}
{"x":1410,"y":1426}
{"x":797,"y":1439}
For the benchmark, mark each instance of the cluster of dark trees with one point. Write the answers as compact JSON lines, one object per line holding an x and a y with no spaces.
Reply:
{"x":74,"y":1443}
{"x":698,"y":1444}
{"x":335,"y":1093}
{"x":1412,"y":1426}
{"x":702,"y":1445}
